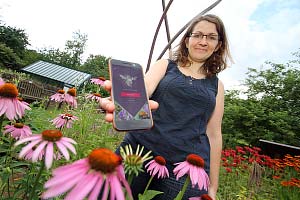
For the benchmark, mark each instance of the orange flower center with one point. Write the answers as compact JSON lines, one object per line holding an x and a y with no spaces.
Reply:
{"x":195,"y":160}
{"x":18,"y":125}
{"x":61,"y":91}
{"x":52,"y":135}
{"x":160,"y":160}
{"x":102,"y":78}
{"x":72,"y":92}
{"x":104,"y":160}
{"x":97,"y":94}
{"x":8,"y":90}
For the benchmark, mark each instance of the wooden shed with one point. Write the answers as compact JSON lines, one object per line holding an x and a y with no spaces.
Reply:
{"x":51,"y":77}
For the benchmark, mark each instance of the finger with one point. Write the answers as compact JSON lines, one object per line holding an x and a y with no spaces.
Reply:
{"x":109,"y":117}
{"x":107,"y":105}
{"x":153,"y":105}
{"x":107,"y":85}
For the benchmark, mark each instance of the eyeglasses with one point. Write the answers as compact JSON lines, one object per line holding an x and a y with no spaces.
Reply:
{"x":209,"y":38}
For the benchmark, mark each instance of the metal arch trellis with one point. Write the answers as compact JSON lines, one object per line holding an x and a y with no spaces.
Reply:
{"x":171,"y":40}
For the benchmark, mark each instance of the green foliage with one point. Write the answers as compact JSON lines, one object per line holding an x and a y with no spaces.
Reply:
{"x":14,"y":38}
{"x":20,"y":179}
{"x":75,"y":48}
{"x":149,"y":194}
{"x":8,"y":58}
{"x":56,"y":56}
{"x":271,"y":110}
{"x":13,"y":76}
{"x":97,"y":65}
{"x":31,"y":56}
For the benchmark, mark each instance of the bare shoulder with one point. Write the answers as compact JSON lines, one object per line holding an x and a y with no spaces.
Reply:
{"x":220,"y":88}
{"x":158,"y":68}
{"x":162,"y":63}
{"x":220,"y":84}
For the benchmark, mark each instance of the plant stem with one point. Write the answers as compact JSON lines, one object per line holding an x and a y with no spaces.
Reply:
{"x":130,"y":178}
{"x":29,"y":177}
{"x":148,"y":184}
{"x":181,"y":193}
{"x":37,"y":179}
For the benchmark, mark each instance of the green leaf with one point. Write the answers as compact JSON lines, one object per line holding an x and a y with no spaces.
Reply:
{"x":178,"y":197}
{"x":149,"y":194}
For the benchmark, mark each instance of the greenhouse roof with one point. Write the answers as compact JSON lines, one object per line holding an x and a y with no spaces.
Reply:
{"x":69,"y":77}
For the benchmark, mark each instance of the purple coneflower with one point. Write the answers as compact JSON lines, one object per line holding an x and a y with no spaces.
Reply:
{"x":59,"y":96}
{"x":9,"y":103}
{"x":98,"y":81}
{"x":157,"y":166}
{"x":193,"y":166}
{"x":70,"y":97}
{"x":18,"y":130}
{"x":64,"y":120}
{"x":102,"y":171}
{"x":45,"y":141}
{"x":94,"y":96}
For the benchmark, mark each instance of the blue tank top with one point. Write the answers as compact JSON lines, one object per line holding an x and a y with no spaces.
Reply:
{"x":180,"y":122}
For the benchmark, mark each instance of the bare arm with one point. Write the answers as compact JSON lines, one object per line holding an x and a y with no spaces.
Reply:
{"x":154,"y":75}
{"x":214,"y":134}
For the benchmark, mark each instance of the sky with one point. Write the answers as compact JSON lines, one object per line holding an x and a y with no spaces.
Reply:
{"x":258,"y":30}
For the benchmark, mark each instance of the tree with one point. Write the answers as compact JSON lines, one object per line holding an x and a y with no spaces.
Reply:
{"x":271,"y":110}
{"x":75,"y":48}
{"x":14,"y":38}
{"x":97,"y":65}
{"x":8,"y":58}
{"x":13,"y":44}
{"x":69,"y":57}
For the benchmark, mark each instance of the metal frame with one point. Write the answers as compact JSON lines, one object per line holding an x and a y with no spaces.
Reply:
{"x":171,"y":40}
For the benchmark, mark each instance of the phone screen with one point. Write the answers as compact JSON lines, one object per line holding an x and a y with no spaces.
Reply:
{"x":129,"y":95}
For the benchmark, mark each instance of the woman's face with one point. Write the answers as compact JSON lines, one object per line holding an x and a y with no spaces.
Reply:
{"x":202,"y":42}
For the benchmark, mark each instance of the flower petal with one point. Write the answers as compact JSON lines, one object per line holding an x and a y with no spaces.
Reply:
{"x":83,"y":188}
{"x":28,"y":148}
{"x":62,"y":188}
{"x":38,"y":150}
{"x":63,"y":150}
{"x":95,"y":192}
{"x":27,"y":139}
{"x":69,"y":146}
{"x":49,"y":155}
{"x":68,"y":175}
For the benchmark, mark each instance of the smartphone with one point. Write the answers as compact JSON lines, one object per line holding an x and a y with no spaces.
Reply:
{"x":132,"y":111}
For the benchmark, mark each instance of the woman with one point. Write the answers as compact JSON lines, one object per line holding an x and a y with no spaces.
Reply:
{"x":191,"y":104}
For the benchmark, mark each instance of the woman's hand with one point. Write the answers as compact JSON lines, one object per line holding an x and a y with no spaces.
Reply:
{"x":109,"y":107}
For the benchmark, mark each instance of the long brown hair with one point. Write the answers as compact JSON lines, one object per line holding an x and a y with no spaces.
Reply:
{"x":218,"y":60}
